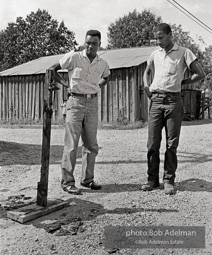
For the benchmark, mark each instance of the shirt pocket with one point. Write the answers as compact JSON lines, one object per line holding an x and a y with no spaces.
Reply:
{"x":172,"y":67}
{"x":78,"y":73}
{"x":96,"y":76}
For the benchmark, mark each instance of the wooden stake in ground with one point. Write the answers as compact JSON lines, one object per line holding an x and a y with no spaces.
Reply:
{"x":42,"y":191}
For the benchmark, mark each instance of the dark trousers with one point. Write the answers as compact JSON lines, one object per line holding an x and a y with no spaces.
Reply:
{"x":166,"y":110}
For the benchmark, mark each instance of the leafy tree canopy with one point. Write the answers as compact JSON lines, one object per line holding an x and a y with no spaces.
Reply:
{"x":207,"y":60}
{"x":132,"y":30}
{"x":37,"y":36}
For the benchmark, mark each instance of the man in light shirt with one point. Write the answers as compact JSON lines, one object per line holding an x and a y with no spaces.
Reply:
{"x":87,"y":74}
{"x":168,"y":65}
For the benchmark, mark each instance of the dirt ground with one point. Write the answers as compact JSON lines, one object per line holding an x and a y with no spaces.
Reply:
{"x":121,"y":169}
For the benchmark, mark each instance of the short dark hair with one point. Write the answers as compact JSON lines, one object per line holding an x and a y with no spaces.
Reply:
{"x":94,"y":33}
{"x":163,"y":27}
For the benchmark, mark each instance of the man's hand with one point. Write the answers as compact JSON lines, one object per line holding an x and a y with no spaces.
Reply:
{"x":79,"y":48}
{"x":57,"y":77}
{"x":148,"y":93}
{"x":54,"y":86}
{"x":103,"y":81}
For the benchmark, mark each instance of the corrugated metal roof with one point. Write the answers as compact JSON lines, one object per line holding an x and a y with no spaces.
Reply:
{"x":117,"y":58}
{"x":37,"y":66}
{"x":127,"y":57}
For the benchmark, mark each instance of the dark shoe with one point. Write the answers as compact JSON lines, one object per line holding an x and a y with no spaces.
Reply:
{"x":72,"y":190}
{"x":169,"y":189}
{"x":92,"y":185}
{"x":150,"y":186}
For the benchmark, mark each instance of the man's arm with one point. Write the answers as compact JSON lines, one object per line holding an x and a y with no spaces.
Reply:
{"x":198,"y":73}
{"x":146,"y":79}
{"x":57,"y":77}
{"x":103,"y":81}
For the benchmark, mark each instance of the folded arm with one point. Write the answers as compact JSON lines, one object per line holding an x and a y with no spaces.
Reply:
{"x":57,"y":77}
{"x":146,"y":79}
{"x":198,"y":73}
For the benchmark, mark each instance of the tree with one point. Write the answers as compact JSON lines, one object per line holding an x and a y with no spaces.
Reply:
{"x":132,"y":30}
{"x":37,"y":36}
{"x":184,"y":39}
{"x":207,"y":60}
{"x":207,"y":64}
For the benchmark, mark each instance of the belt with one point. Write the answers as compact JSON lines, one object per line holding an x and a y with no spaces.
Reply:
{"x":166,"y":93}
{"x":83,"y":95}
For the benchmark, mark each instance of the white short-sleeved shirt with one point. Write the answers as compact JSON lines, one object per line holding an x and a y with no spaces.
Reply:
{"x":169,"y":68}
{"x":84,"y":76}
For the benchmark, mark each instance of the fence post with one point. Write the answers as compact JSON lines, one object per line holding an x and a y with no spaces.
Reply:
{"x":42,"y":190}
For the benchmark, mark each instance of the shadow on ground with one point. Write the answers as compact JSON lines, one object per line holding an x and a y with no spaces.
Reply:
{"x":194,"y":185}
{"x":129,"y":161}
{"x":29,"y":154}
{"x":83,"y":211}
{"x":114,"y":188}
{"x":197,"y":158}
{"x":197,"y":122}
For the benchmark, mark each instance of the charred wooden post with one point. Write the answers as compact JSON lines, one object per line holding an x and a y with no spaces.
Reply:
{"x":42,"y":190}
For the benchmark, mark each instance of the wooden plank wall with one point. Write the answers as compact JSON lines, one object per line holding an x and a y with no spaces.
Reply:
{"x":191,"y":102}
{"x":123,"y":100}
{"x":21,"y":99}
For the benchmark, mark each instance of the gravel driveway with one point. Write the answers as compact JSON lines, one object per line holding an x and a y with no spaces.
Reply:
{"x":121,"y":169}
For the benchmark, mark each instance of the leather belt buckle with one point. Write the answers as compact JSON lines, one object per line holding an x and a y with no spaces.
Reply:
{"x":89,"y":96}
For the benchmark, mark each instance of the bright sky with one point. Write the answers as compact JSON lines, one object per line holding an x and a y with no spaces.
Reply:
{"x":82,"y":15}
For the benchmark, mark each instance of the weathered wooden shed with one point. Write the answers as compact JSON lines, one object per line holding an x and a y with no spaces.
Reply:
{"x":191,"y":96}
{"x":22,"y":89}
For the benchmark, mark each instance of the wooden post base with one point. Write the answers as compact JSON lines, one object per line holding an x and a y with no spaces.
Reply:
{"x":34,"y":211}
